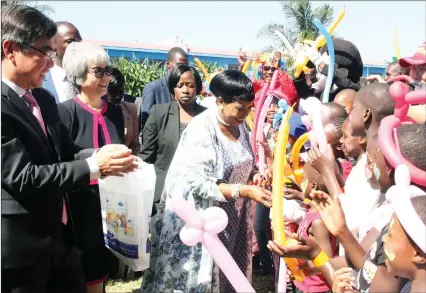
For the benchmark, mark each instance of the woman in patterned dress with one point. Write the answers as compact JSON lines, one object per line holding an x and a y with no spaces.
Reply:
{"x":212,"y":166}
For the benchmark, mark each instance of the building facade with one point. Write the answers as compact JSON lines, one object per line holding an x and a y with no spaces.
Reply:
{"x":158,"y":53}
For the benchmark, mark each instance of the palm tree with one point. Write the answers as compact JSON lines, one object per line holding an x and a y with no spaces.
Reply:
{"x":46,"y":9}
{"x":299,"y":14}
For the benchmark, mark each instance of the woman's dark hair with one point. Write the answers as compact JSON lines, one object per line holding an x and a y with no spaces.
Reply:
{"x":24,"y":25}
{"x":117,"y":79}
{"x":412,"y":144}
{"x":177,"y":73}
{"x":231,"y":86}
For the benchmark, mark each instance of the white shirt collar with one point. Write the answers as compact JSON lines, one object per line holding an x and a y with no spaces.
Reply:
{"x":17,"y":89}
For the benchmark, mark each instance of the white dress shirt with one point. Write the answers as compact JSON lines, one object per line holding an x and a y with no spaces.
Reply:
{"x":61,"y":83}
{"x":94,"y":169}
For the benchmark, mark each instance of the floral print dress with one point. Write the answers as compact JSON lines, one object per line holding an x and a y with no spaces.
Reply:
{"x":203,"y":156}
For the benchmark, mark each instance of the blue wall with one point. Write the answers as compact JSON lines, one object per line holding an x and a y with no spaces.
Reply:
{"x":159,"y":55}
{"x":221,"y":60}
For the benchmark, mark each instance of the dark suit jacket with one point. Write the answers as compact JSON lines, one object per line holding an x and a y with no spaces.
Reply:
{"x":155,"y":92}
{"x":160,"y":139}
{"x":36,"y":172}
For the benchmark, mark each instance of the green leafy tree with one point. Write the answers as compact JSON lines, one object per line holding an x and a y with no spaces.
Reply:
{"x":137,"y":73}
{"x":299,"y":15}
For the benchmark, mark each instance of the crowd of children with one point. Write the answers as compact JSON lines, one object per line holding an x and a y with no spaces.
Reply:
{"x":358,"y":227}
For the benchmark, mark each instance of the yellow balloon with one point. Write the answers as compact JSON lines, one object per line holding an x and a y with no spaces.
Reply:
{"x":395,"y":44}
{"x":246,"y":66}
{"x":318,"y":43}
{"x":249,"y":122}
{"x":295,"y":154}
{"x":203,"y":69}
{"x":277,"y":193}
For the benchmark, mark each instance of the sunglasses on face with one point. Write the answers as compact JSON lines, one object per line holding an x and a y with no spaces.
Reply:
{"x":267,"y":68}
{"x":99,"y":72}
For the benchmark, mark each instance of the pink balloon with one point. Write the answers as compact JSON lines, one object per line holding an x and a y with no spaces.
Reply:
{"x":402,"y":185}
{"x":273,"y":81}
{"x":260,"y":135}
{"x":314,"y":107}
{"x":256,"y":117}
{"x":306,"y":120}
{"x":204,"y":227}
{"x":282,"y":96}
{"x":388,"y":138}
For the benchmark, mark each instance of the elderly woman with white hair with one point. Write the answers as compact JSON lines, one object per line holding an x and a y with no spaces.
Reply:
{"x":91,"y":122}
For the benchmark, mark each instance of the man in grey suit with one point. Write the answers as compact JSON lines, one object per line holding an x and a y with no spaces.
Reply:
{"x":157,"y":91}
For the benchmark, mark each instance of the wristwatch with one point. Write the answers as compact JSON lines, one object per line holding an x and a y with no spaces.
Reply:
{"x":236,"y":191}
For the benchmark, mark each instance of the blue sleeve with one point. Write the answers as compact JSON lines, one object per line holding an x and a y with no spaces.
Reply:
{"x":148,"y":100}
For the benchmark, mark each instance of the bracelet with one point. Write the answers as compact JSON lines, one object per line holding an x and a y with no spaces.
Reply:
{"x":236,"y":191}
{"x":320,"y":259}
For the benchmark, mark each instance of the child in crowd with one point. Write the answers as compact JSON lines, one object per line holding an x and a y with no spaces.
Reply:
{"x":345,"y":98}
{"x":268,"y":129}
{"x":372,"y":103}
{"x":353,"y":147}
{"x":405,"y":245}
{"x":373,"y":275}
{"x":312,"y":226}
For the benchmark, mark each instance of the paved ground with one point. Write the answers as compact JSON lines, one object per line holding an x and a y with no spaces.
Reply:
{"x":261,"y":284}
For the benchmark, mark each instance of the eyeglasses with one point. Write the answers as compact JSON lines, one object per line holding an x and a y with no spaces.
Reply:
{"x":49,"y":55}
{"x":267,"y":68}
{"x":99,"y":72}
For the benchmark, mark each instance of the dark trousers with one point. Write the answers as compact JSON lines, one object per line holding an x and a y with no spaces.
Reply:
{"x":261,"y":231}
{"x":60,"y":272}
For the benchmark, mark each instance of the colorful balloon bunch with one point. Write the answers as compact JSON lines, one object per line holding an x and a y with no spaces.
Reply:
{"x":388,"y":138}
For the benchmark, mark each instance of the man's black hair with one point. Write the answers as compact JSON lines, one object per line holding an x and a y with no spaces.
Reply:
{"x":174,"y":52}
{"x":376,"y":97}
{"x":412,"y":142}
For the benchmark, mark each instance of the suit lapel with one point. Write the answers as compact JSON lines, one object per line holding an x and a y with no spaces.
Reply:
{"x":26,"y":114}
{"x":173,"y":124}
{"x":22,"y":107}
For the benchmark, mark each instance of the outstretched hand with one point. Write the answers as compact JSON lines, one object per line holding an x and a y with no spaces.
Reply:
{"x":300,"y":247}
{"x":290,"y":193}
{"x":321,"y":162}
{"x":330,"y":210}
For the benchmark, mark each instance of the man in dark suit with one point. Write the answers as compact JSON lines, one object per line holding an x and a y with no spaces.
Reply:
{"x":38,"y":163}
{"x":157,"y":91}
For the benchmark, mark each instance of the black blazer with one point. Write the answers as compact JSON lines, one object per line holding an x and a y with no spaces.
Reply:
{"x":36,"y":172}
{"x":160,"y":140}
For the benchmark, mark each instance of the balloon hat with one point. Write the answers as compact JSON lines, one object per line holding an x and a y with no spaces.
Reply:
{"x":388,"y":138}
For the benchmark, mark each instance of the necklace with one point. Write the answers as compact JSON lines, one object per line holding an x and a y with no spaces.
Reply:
{"x":221,"y":120}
